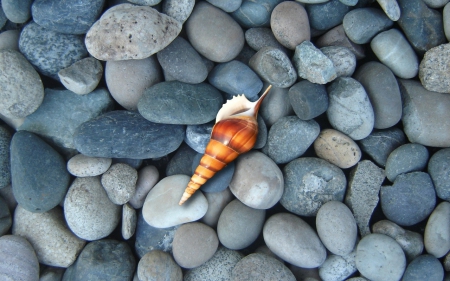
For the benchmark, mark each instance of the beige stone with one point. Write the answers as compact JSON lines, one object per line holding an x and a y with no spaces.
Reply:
{"x":85,"y":166}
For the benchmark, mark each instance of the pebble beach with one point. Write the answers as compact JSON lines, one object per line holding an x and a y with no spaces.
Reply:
{"x":107,"y":107}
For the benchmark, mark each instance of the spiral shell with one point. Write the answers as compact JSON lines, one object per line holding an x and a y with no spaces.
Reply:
{"x":234,"y":133}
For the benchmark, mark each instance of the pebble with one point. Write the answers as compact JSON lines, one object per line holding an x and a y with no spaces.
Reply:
{"x":411,"y":242}
{"x":18,"y":259}
{"x":182,"y":62}
{"x":88,"y":211}
{"x":293,"y":240}
{"x":362,"y":24}
{"x":390,"y":8}
{"x":257,"y":266}
{"x":438,"y":171}
{"x":260,"y":37}
{"x":380,"y":143}
{"x":308,"y":100}
{"x":129,"y":219}
{"x":312,"y":64}
{"x":410,"y":199}
{"x":227,"y":6}
{"x":148,"y":176}
{"x":218,"y":267}
{"x":158,"y":265}
{"x":54,"y":243}
{"x":120,"y":134}
{"x":336,"y":228}
{"x":246,"y":54}
{"x":17,"y":11}
{"x":128,"y":79}
{"x":257,"y":181}
{"x":21,"y":89}
{"x":419,"y":122}
{"x":82,"y":77}
{"x":220,"y":180}
{"x":446,"y":20}
{"x":289,"y":138}
{"x":39,"y":176}
{"x":120,"y":183}
{"x":407,"y":158}
{"x":289,"y":24}
{"x":178,"y":9}
{"x":436,"y":4}
{"x":239,"y":225}
{"x":198,"y":136}
{"x":437,"y":231}
{"x":214,"y":33}
{"x":128,"y":31}
{"x":7,"y":194}
{"x":104,"y":260}
{"x":424,"y":267}
{"x":422,"y":26}
{"x":194,"y":243}
{"x":337,"y":37}
{"x":327,"y":15}
{"x":338,"y":267}
{"x":217,"y":201}
{"x":9,"y":39}
{"x":309,"y":183}
{"x":394,"y":51}
{"x":181,"y":161}
{"x":5,"y":217}
{"x":337,"y":148}
{"x":274,"y":67}
{"x":52,"y":274}
{"x":379,"y":257}
{"x":84,"y":166}
{"x":344,"y":61}
{"x":161,"y":207}
{"x":63,"y":111}
{"x":349,"y":109}
{"x":49,"y":51}
{"x":5,"y":158}
{"x":255,"y":13}
{"x":364,"y":184}
{"x":432,"y":69}
{"x":187,"y":104}
{"x":382,"y":88}
{"x":236,"y":78}
{"x":275,"y":106}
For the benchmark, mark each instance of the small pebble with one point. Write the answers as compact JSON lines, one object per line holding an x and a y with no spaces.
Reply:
{"x":52,"y":274}
{"x":148,"y":176}
{"x":324,"y":16}
{"x":120,"y":183}
{"x":437,"y":231}
{"x":260,"y":37}
{"x":5,"y":217}
{"x":82,"y":77}
{"x":198,"y":136}
{"x":439,"y":172}
{"x":255,"y":13}
{"x":181,"y":161}
{"x":9,"y":39}
{"x":17,"y":11}
{"x":362,"y":24}
{"x":424,"y":267}
{"x":5,"y":157}
{"x":446,"y":19}
{"x":158,"y":265}
{"x":338,"y":267}
{"x":18,"y":259}
{"x":344,"y":61}
{"x":337,"y":37}
{"x":433,"y":69}
{"x":308,"y":100}
{"x":217,"y":201}
{"x":178,"y":9}
{"x":219,"y":181}
{"x":275,"y":106}
{"x":129,"y":219}
{"x":407,"y":158}
{"x":256,"y":267}
{"x":84,"y":166}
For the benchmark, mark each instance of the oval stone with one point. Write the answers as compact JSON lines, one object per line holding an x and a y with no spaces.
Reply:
{"x":147,"y":178}
{"x":5,"y":156}
{"x":424,"y":267}
{"x":198,"y":136}
{"x":217,"y":201}
{"x":308,"y":100}
{"x":17,"y":11}
{"x":254,"y":13}
{"x":17,"y":259}
{"x":260,"y":37}
{"x":275,"y":105}
{"x":156,"y":264}
{"x":326,"y":15}
{"x":432,"y":69}
{"x":84,"y":166}
{"x":407,"y":158}
{"x":344,"y":61}
{"x":259,"y":266}
{"x":120,"y":183}
{"x":437,"y":231}
{"x":337,"y":37}
{"x":362,"y":24}
{"x":439,"y":172}
{"x":179,"y":10}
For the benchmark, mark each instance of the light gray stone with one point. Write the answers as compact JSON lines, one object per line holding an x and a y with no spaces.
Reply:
{"x":84,"y":166}
{"x":437,"y":231}
{"x":158,"y":265}
{"x":344,"y":61}
{"x":446,"y":20}
{"x":338,"y":267}
{"x":433,"y":69}
{"x":18,"y":259}
{"x":9,"y":39}
{"x":120,"y":182}
{"x":82,"y":77}
{"x":178,"y":9}
{"x":129,"y":221}
{"x":148,"y":176}
{"x":217,"y":201}
{"x":390,"y":8}
{"x":256,"y":267}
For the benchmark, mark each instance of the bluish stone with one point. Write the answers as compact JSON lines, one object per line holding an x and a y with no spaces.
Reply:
{"x":220,"y":180}
{"x":39,"y":176}
{"x":361,"y":25}
{"x":235,"y":78}
{"x":70,"y":17}
{"x":5,"y":217}
{"x":407,"y":158}
{"x":326,"y":15}
{"x":126,"y":134}
{"x":135,"y":163}
{"x":255,"y":13}
{"x":17,"y":11}
{"x":5,"y":168}
{"x":3,"y":18}
{"x":308,"y":100}
{"x":261,"y":139}
{"x":180,"y":103}
{"x":181,"y":161}
{"x":228,"y":6}
{"x":198,"y":136}
{"x":410,"y":200}
{"x":50,"y":51}
{"x":424,"y":267}
{"x":439,"y":170}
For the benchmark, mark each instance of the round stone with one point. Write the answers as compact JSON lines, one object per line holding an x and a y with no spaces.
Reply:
{"x":437,"y":231}
{"x":275,"y":105}
{"x":326,"y":15}
{"x":181,"y":161}
{"x":83,"y":76}
{"x":84,"y":166}
{"x":439,"y":172}
{"x":432,"y":69}
{"x":17,"y":259}
{"x":337,"y":37}
{"x":147,"y":178}
{"x":407,"y":158}
{"x":17,"y":11}
{"x":120,"y":183}
{"x":344,"y":61}
{"x":217,"y":201}
{"x":9,"y":39}
{"x":179,"y":10}
{"x":198,"y":136}
{"x":156,"y":265}
{"x":129,"y":219}
{"x":390,"y":8}
{"x":362,"y":24}
{"x":338,"y":267}
{"x":260,"y":37}
{"x":308,"y":100}
{"x":261,"y":267}
{"x":424,"y":267}
{"x":220,"y":180}
{"x":446,"y":20}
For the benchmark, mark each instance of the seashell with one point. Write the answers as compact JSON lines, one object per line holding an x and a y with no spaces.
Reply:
{"x":234,"y":133}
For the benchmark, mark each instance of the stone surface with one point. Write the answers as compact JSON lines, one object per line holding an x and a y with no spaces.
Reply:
{"x":275,"y":106}
{"x":161,"y":207}
{"x":324,"y":16}
{"x":49,"y":51}
{"x":21,"y":89}
{"x":158,"y":265}
{"x":255,"y":13}
{"x":338,"y":267}
{"x":433,"y":69}
{"x":438,"y":169}
{"x":390,"y":8}
{"x":362,"y":24}
{"x":82,"y":77}
{"x":260,"y":37}
{"x":407,"y":158}
{"x":9,"y":39}
{"x":437,"y":231}
{"x":18,"y":259}
{"x":126,"y":134}
{"x":5,"y":156}
{"x":337,"y":37}
{"x":181,"y":161}
{"x":17,"y":11}
{"x":148,"y":176}
{"x":220,"y":180}
{"x":54,"y":243}
{"x":178,"y":9}
{"x":362,"y":195}
{"x":120,"y":183}
{"x":198,"y":136}
{"x":227,"y":6}
{"x":180,"y":103}
{"x":39,"y":176}
{"x":309,"y":183}
{"x":344,"y":61}
{"x":128,"y":31}
{"x":217,"y":201}
{"x":129,"y":219}
{"x":214,"y":33}
{"x":261,"y":267}
{"x":84,"y":166}
{"x":424,"y":267}
{"x":308,"y":100}
{"x":88,"y":211}
{"x":257,"y":181}
{"x":5,"y":217}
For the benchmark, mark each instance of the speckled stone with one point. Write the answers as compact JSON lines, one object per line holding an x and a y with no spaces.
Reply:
{"x":129,"y":219}
{"x":438,"y":169}
{"x":158,"y":265}
{"x":424,"y":267}
{"x":148,"y":176}
{"x":326,"y":15}
{"x":5,"y":159}
{"x":362,"y":24}
{"x":178,"y":9}
{"x":120,"y":183}
{"x":407,"y":158}
{"x":437,"y":231}
{"x":337,"y":37}
{"x":261,"y":267}
{"x":275,"y":105}
{"x":337,"y":267}
{"x":308,"y":100}
{"x":433,"y":69}
{"x":260,"y":37}
{"x":83,"y":76}
{"x":344,"y":61}
{"x":18,"y":259}
{"x":84,"y":166}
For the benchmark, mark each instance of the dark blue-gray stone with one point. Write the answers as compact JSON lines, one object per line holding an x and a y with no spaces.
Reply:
{"x":410,"y":157}
{"x":5,"y":167}
{"x":260,"y":37}
{"x":255,"y":13}
{"x":149,"y":238}
{"x":175,"y":102}
{"x":228,"y":6}
{"x":325,"y":16}
{"x":126,"y":134}
{"x":181,"y":161}
{"x":308,"y":100}
{"x":17,"y":11}
{"x":380,"y":143}
{"x":105,"y":260}
{"x":5,"y":217}
{"x":39,"y":176}
{"x":439,"y":170}
{"x":423,"y":27}
{"x":261,"y":139}
{"x":289,"y":138}
{"x":410,"y":200}
{"x":3,"y":18}
{"x":198,"y":136}
{"x":63,"y":111}
{"x":135,"y":163}
{"x":309,"y":183}
{"x":50,"y":51}
{"x":219,"y":181}
{"x":70,"y":17}
{"x":424,"y":267}
{"x":235,"y":78}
